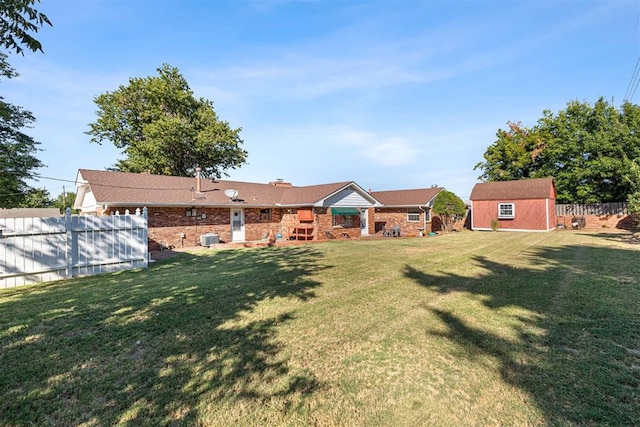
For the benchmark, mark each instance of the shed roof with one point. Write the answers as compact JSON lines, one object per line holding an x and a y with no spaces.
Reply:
{"x":536,"y":188}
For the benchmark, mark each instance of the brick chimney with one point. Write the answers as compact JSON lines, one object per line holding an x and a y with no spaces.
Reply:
{"x":279,"y":182}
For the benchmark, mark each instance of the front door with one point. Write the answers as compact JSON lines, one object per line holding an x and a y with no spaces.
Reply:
{"x":364,"y":222}
{"x":237,"y":225}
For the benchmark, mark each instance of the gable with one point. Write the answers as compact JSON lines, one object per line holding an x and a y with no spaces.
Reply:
{"x":347,"y":197}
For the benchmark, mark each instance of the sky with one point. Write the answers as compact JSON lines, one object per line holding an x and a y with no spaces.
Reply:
{"x":389,"y":94}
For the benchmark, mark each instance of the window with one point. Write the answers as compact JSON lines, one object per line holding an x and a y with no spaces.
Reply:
{"x":342,"y":220}
{"x":413,"y":215}
{"x":265,"y":214}
{"x":506,"y":210}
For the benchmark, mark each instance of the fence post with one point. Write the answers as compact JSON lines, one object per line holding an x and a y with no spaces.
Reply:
{"x":69,"y":248}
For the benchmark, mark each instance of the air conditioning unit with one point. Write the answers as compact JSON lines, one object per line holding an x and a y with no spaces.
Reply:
{"x":209,"y":239}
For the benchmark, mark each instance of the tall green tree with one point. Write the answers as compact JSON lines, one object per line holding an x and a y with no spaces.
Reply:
{"x":634,"y":180}
{"x":449,"y":207}
{"x":17,"y":149}
{"x":36,"y":198}
{"x":162,"y":128}
{"x":18,"y":18}
{"x":587,"y":149}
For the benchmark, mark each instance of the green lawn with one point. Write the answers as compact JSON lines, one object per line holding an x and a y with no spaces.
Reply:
{"x":470,"y":328}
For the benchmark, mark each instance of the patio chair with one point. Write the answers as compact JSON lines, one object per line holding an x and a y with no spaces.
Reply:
{"x":395,"y":231}
{"x":386,"y":232}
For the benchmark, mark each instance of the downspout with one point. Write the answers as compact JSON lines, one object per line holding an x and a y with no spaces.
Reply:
{"x":424,"y":221}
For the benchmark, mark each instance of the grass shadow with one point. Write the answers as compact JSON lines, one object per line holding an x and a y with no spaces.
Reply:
{"x":582,"y":366}
{"x":157,"y":346}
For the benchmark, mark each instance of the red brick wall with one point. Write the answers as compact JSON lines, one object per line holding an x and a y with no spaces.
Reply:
{"x":388,"y":217}
{"x":326,"y":227}
{"x":168,"y":225}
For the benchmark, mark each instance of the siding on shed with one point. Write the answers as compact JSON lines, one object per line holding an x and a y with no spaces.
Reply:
{"x":530,"y":215}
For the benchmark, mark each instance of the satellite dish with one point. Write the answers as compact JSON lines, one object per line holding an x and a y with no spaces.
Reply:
{"x":231,"y":193}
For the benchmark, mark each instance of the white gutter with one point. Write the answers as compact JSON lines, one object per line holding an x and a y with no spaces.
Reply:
{"x":424,"y":221}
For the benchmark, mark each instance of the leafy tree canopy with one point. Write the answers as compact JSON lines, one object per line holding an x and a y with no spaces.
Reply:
{"x":633,"y":177}
{"x":587,"y":149}
{"x":17,"y":149}
{"x":163,"y":129}
{"x":36,"y":198}
{"x":18,"y":19}
{"x":449,"y":207}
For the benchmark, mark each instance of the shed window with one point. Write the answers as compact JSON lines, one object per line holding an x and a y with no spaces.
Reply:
{"x":413,"y":215}
{"x":506,"y":210}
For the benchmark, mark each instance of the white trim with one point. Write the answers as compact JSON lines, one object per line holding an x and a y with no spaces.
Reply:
{"x":242,"y":231}
{"x":520,"y":230}
{"x":546,"y":213}
{"x":513,"y":210}
{"x":473,"y":217}
{"x":364,"y":212}
{"x":365,"y":195}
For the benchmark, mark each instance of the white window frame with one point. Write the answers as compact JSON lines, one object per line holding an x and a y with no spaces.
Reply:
{"x":411,"y":215}
{"x":506,"y":210}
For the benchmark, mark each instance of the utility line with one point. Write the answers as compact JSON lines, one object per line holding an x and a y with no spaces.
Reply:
{"x":100,"y":185}
{"x":635,"y":77}
{"x":631,"y":87}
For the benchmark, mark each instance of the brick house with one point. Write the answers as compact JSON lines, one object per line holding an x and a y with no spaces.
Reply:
{"x":521,"y":205}
{"x":408,"y":209}
{"x":182,"y":209}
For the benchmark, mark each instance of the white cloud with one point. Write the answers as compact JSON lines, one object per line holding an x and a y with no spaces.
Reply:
{"x":383,"y":151}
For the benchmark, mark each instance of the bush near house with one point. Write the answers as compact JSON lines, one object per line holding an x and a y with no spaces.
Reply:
{"x":449,"y":207}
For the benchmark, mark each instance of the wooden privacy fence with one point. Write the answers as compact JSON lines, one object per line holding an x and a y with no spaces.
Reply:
{"x":619,"y":208}
{"x":44,"y":249}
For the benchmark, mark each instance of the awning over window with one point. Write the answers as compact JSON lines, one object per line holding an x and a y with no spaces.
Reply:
{"x":345,"y":211}
{"x":305,"y":215}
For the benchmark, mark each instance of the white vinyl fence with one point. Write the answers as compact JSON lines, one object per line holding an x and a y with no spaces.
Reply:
{"x":44,"y":249}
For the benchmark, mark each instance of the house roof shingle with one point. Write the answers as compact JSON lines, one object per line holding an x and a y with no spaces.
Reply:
{"x":537,"y":188}
{"x":123,"y":188}
{"x":415,"y":197}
